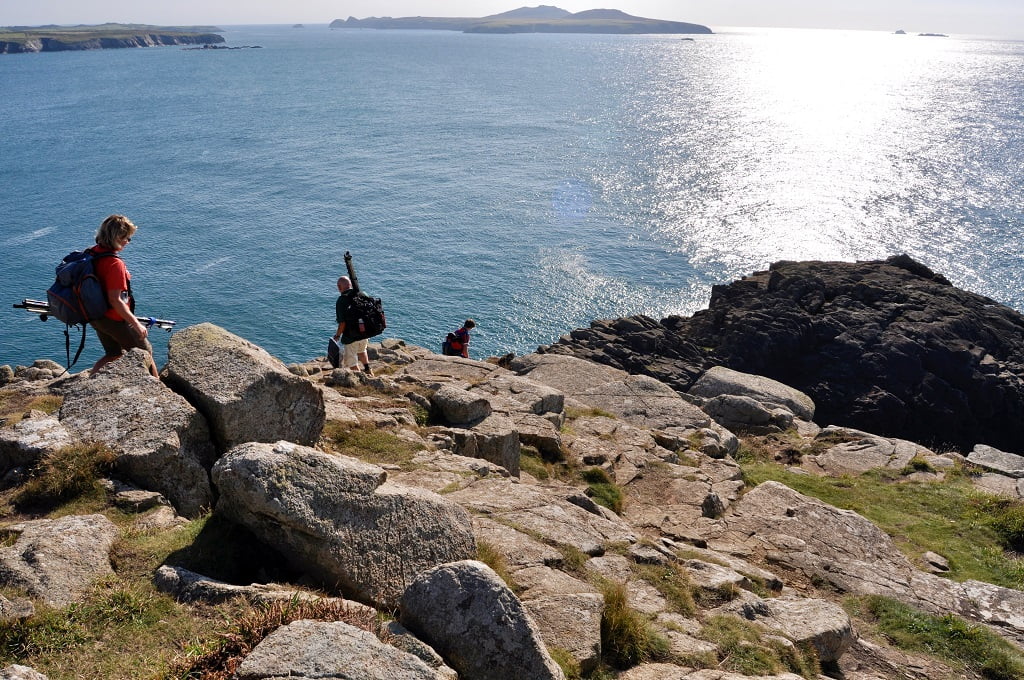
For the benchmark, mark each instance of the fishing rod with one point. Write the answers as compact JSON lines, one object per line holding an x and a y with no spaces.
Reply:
{"x":42,"y":308}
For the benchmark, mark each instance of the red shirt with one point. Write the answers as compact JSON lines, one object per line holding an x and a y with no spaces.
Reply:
{"x":113,"y":274}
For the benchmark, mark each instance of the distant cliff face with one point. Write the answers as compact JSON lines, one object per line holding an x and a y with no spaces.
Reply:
{"x":543,"y":19}
{"x":106,"y":43}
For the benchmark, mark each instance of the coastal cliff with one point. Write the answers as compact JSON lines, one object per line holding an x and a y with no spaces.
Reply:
{"x":887,"y":346}
{"x":543,"y":19}
{"x":25,"y":39}
{"x":541,"y":516}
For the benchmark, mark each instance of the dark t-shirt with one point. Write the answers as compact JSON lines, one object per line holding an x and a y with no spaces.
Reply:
{"x":341,"y":311}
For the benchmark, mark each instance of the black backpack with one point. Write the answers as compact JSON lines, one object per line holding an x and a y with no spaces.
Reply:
{"x":365,"y":317}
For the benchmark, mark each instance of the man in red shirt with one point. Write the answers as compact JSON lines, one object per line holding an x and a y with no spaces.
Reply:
{"x":118,"y":330}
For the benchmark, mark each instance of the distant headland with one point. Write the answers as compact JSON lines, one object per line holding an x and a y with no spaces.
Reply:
{"x":542,"y":19}
{"x":52,"y":38}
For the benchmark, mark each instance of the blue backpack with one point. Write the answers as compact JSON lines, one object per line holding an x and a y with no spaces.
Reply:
{"x":77,"y":295}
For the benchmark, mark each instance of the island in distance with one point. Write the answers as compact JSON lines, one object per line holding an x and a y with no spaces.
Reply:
{"x":542,"y":19}
{"x":17,"y":39}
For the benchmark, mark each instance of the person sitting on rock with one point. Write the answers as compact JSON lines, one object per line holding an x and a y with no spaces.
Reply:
{"x":355,"y":350}
{"x":457,"y":343}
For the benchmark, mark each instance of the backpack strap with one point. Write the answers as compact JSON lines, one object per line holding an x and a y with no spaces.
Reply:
{"x":67,"y":346}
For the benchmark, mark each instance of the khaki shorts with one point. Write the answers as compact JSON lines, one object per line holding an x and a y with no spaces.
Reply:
{"x":349,"y":359}
{"x":117,"y":338}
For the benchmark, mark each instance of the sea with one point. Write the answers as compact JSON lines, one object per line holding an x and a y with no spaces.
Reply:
{"x":531,"y":182}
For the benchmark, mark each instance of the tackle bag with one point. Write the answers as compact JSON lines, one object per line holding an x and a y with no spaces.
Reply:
{"x":333,"y":352}
{"x":364,"y":318}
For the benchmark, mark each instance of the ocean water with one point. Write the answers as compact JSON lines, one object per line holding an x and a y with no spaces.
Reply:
{"x":532,"y":182}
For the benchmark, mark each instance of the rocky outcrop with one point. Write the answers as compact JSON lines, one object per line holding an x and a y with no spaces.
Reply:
{"x":57,"y":560}
{"x":162,"y":442}
{"x":403,"y":534}
{"x":465,"y":612}
{"x":29,"y":440}
{"x":245,"y":394}
{"x":320,"y":649}
{"x":68,"y":42}
{"x":889,"y":347}
{"x":841,"y":548}
{"x":336,"y":519}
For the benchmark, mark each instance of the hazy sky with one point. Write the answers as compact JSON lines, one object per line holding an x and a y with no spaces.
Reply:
{"x":1003,"y":18}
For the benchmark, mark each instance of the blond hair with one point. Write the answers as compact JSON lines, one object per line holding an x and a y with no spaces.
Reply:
{"x":114,"y":229}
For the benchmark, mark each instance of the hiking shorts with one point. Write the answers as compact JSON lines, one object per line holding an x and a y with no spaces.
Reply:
{"x":352,"y":349}
{"x":117,"y":338}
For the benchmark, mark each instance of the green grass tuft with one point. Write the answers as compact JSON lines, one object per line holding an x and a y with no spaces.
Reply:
{"x":949,"y":637}
{"x":603,"y":490}
{"x":673,"y":583}
{"x":627,"y":637}
{"x":370,"y":444}
{"x":65,"y":474}
{"x":972,"y":530}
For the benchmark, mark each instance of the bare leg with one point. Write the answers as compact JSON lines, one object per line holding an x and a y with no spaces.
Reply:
{"x":104,"y":360}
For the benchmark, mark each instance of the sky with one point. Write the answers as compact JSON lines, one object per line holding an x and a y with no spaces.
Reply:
{"x":998,"y":18}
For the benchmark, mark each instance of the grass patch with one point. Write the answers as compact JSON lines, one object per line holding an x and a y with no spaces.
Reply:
{"x":603,"y":490}
{"x":14,"y":405}
{"x":950,"y":518}
{"x":219,"y":659}
{"x":627,"y":637}
{"x":370,"y":444}
{"x":917,"y":464}
{"x":65,"y":474}
{"x":565,"y":660}
{"x":572,"y":413}
{"x":495,"y":559}
{"x":573,"y":558}
{"x":673,"y":583}
{"x":962,"y":644}
{"x":742,"y":649}
{"x":535,"y":463}
{"x":120,"y":631}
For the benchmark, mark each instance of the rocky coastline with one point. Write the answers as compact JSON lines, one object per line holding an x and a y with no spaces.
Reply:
{"x":542,"y":19}
{"x":886,"y":346}
{"x":442,"y":509}
{"x":103,"y":38}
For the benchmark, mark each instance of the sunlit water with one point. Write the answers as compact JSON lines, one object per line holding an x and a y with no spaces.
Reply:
{"x":533,"y":182}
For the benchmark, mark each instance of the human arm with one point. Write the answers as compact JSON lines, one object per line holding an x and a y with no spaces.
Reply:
{"x":118,"y":303}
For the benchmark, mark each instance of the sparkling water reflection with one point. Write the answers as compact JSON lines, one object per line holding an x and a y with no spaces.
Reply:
{"x":534,"y":182}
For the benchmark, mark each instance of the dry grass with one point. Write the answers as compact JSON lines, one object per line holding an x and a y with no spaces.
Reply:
{"x":219,"y":659}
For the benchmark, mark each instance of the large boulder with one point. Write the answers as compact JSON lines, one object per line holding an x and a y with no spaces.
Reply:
{"x":57,"y":560}
{"x":637,"y":399}
{"x":330,"y":649}
{"x":884,"y":346}
{"x":820,"y":623}
{"x":335,"y":518}
{"x":719,"y":380}
{"x":162,"y":443}
{"x":246,"y":394}
{"x":30,"y":439}
{"x":1009,"y":464}
{"x":465,"y":612}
